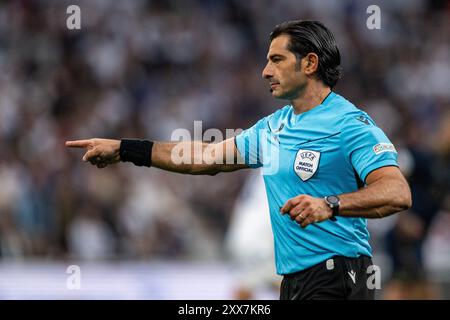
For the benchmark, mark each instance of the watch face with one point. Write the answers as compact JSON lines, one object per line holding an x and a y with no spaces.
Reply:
{"x":333,"y":200}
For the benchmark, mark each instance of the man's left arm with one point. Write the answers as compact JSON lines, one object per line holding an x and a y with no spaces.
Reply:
{"x":386,"y":192}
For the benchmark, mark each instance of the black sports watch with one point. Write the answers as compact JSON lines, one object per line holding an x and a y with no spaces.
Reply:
{"x":333,"y":202}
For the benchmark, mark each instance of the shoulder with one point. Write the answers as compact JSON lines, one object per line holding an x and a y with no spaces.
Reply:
{"x":280,"y":113}
{"x":349,"y":115}
{"x":277,"y":118}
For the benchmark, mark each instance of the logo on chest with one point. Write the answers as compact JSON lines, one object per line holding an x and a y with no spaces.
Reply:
{"x":306,"y":163}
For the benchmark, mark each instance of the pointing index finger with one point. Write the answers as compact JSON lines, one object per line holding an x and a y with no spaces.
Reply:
{"x":78,"y":144}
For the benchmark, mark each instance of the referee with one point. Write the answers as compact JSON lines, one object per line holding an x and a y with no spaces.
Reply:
{"x":334,"y":167}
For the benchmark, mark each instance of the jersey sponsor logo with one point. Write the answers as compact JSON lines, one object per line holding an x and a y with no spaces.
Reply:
{"x":352,"y":275}
{"x":280,"y":128}
{"x":363,"y":119}
{"x":384,"y":147}
{"x":306,"y":163}
{"x":277,"y":130}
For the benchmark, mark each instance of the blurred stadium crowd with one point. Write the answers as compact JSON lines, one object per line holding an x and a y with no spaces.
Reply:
{"x":145,"y":68}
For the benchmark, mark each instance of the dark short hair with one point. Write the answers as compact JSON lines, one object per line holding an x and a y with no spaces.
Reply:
{"x":312,"y":36}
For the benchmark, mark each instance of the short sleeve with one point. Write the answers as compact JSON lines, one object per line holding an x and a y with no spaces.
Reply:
{"x":366,"y":145}
{"x":248,"y":144}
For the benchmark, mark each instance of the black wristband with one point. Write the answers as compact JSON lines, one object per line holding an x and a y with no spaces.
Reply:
{"x":137,"y":151}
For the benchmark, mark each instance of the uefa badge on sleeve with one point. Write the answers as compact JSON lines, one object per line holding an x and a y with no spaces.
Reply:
{"x":306,"y":163}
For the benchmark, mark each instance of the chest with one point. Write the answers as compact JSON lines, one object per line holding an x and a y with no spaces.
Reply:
{"x":305,"y":155}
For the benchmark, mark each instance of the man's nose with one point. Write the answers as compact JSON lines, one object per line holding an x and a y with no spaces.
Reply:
{"x":267,"y":72}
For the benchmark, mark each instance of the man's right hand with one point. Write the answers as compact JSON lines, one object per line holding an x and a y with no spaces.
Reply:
{"x":100,"y":152}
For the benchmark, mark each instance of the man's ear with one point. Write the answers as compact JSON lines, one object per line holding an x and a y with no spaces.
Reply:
{"x":310,"y":63}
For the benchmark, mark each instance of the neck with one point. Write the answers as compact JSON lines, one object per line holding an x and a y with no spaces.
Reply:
{"x":312,"y":96}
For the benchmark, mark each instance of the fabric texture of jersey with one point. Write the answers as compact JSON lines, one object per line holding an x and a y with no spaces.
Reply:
{"x":328,"y":150}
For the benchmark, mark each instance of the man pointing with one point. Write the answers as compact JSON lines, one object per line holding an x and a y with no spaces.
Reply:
{"x":335,"y":167}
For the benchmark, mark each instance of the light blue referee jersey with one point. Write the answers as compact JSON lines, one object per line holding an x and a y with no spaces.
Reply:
{"x":328,"y":150}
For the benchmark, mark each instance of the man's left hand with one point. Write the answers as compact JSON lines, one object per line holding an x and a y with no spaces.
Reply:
{"x":305,"y":210}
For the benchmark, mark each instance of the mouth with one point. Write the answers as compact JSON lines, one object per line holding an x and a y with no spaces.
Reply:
{"x":273,"y":84}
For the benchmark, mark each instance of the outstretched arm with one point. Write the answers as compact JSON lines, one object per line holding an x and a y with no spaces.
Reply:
{"x":188,"y":157}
